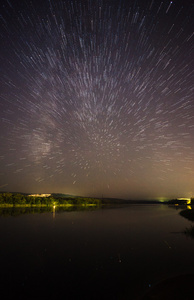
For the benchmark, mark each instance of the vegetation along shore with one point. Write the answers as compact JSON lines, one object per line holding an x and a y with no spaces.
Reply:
{"x":16,"y":199}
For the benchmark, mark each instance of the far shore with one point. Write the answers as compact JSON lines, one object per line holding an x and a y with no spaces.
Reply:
{"x":62,"y":200}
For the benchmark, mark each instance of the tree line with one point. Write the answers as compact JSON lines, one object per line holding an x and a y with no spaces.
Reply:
{"x":16,"y":199}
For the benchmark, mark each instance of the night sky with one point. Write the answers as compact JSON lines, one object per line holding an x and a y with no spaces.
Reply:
{"x":96,"y":97}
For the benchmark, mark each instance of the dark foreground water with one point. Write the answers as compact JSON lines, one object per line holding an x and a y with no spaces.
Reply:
{"x":116,"y":253}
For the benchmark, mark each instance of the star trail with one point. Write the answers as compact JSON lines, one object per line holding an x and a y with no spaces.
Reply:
{"x":96,"y":97}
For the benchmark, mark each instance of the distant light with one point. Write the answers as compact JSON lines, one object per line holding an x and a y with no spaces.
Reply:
{"x":162,"y":199}
{"x":185,"y":199}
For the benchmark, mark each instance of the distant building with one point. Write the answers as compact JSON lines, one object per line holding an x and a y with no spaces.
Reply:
{"x":188,"y":200}
{"x":40,"y":195}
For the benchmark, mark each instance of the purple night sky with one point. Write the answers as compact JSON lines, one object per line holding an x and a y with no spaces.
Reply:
{"x":96,"y":98}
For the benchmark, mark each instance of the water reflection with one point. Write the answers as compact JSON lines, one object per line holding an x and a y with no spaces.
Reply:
{"x":91,"y":253}
{"x":16,"y":211}
{"x":177,"y":288}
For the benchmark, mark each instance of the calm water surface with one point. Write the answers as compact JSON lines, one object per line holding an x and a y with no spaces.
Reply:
{"x":116,"y":253}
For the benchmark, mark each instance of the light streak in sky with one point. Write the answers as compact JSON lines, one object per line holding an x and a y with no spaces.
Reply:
{"x":97,"y":91}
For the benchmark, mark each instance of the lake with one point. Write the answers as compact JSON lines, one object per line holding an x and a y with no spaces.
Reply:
{"x":115,"y":253}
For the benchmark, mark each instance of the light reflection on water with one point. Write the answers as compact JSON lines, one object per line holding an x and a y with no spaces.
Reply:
{"x":93,"y":254}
